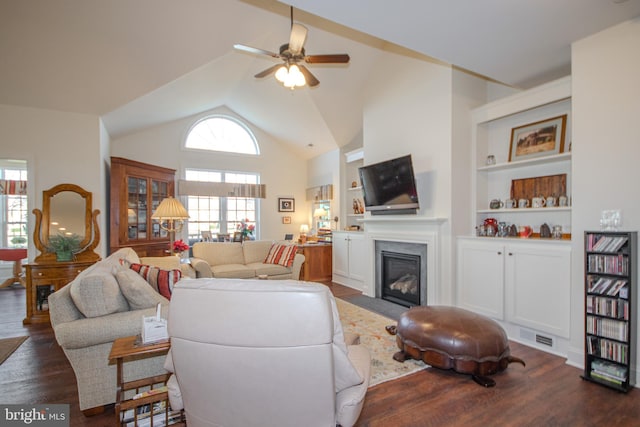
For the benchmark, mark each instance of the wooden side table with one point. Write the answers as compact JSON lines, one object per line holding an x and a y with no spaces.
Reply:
{"x":317,"y":266}
{"x":127,"y":347}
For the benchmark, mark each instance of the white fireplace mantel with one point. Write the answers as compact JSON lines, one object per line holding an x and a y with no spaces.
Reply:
{"x":404,"y":228}
{"x":405,"y":219}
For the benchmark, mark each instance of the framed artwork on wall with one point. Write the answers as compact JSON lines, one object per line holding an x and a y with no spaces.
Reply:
{"x":538,"y":139}
{"x":286,"y":204}
{"x":286,"y":220}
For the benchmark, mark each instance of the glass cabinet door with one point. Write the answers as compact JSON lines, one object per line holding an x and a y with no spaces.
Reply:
{"x":159,"y":192}
{"x":136,"y":208}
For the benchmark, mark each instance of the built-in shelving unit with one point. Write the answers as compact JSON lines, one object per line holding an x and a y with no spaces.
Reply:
{"x":353,"y":188}
{"x":511,"y":279}
{"x":610,"y":287}
{"x":492,"y":125}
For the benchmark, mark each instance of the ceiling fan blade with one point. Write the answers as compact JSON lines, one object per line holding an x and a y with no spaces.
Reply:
{"x":341,"y":58}
{"x":298,"y":38}
{"x":255,"y":50}
{"x":268,"y":71}
{"x":308,"y":77}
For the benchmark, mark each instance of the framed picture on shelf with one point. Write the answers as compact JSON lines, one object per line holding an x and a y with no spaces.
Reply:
{"x":538,"y":139}
{"x":286,"y":204}
{"x":286,"y":220}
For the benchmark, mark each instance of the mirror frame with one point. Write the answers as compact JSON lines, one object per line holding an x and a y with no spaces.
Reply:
{"x":43,"y":218}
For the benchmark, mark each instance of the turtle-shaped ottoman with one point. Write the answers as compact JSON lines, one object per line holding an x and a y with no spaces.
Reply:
{"x":453,"y":338}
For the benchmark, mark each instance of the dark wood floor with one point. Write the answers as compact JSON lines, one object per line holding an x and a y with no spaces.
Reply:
{"x":547,"y":392}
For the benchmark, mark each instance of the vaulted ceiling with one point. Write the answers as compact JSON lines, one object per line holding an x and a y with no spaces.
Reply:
{"x":144,"y":62}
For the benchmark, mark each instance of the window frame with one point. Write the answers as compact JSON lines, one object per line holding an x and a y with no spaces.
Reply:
{"x":223,"y":205}
{"x":232,"y":119}
{"x":15,"y":173}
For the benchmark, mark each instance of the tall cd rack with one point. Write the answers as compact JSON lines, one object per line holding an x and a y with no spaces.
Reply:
{"x":610,"y":287}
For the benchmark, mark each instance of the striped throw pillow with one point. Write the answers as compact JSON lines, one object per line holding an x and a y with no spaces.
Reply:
{"x":281,"y":254}
{"x":161,"y":280}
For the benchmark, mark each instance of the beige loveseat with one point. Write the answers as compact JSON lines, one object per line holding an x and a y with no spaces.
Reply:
{"x":105,"y":302}
{"x":235,"y":260}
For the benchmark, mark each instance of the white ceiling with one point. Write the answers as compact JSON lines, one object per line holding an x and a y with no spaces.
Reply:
{"x":143,"y":62}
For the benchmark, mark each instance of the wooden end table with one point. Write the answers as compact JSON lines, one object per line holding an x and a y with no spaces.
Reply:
{"x":125,"y":348}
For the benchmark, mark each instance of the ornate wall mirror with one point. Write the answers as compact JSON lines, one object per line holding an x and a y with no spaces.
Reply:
{"x":66,"y":211}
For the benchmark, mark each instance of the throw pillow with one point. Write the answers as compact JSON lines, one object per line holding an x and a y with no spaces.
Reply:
{"x":281,"y":254}
{"x":97,"y":295}
{"x":161,"y":280}
{"x":137,"y":291}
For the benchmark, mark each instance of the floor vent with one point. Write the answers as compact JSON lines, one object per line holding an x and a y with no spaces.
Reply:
{"x":541,"y":339}
{"x":530,"y":335}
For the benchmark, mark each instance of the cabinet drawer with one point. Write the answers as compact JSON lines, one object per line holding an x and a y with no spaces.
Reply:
{"x":67,"y":272}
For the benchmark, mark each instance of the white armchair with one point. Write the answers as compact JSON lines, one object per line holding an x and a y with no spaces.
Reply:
{"x":262,"y":353}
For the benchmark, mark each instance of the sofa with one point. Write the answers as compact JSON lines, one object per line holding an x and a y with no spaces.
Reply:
{"x":246,"y":260}
{"x":104,"y":302}
{"x":248,"y":353}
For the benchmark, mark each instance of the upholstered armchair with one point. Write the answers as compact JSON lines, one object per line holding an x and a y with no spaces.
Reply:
{"x":262,"y":353}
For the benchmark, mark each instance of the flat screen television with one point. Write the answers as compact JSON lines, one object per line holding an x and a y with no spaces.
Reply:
{"x":389,"y":187}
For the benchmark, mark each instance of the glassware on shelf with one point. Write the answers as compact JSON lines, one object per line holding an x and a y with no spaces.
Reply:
{"x":611,"y":220}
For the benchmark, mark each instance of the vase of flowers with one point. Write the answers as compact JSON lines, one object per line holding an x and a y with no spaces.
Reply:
{"x":179,"y":247}
{"x":246,"y":229}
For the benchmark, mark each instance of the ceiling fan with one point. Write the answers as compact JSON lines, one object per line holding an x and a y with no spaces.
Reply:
{"x":293,"y":73}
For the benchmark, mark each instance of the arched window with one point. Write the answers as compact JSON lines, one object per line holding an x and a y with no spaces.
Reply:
{"x":220,"y":133}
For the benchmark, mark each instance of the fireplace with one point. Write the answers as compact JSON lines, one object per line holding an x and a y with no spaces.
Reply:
{"x":401,"y":275}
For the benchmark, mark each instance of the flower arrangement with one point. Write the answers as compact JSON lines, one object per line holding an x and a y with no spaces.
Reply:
{"x":245,"y":228}
{"x":180,"y":246}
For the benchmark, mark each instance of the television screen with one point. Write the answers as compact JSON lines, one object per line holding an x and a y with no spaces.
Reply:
{"x":389,"y":186}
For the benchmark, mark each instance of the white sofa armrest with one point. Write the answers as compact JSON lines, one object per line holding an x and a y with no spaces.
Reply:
{"x":349,"y":401}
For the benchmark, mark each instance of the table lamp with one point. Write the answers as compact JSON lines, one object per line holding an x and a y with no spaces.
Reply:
{"x":304,"y":229}
{"x":171,"y":212}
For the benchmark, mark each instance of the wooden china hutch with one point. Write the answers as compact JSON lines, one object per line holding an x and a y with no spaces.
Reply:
{"x":136,"y":191}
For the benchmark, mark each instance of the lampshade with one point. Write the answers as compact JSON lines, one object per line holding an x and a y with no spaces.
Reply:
{"x":304,"y":229}
{"x":170,"y":208}
{"x":320,"y":212}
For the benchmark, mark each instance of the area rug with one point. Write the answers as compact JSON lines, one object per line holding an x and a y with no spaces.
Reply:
{"x":381,"y":345}
{"x":8,"y":346}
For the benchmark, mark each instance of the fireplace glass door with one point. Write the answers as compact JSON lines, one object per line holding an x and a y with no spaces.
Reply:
{"x":401,"y":278}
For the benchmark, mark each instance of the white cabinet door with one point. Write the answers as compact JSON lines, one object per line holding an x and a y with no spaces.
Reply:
{"x":340,"y":249}
{"x":481,"y":277}
{"x":538,"y":287}
{"x":356,"y":256}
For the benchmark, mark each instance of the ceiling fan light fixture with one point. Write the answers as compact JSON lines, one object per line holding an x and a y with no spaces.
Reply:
{"x":282,"y":73}
{"x":290,"y":76}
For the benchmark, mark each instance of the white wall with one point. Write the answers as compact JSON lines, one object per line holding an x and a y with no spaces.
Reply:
{"x":105,"y":183}
{"x":283,"y":173}
{"x":606,"y":149}
{"x":468,"y":92}
{"x":408,"y":111}
{"x":59,"y":148}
